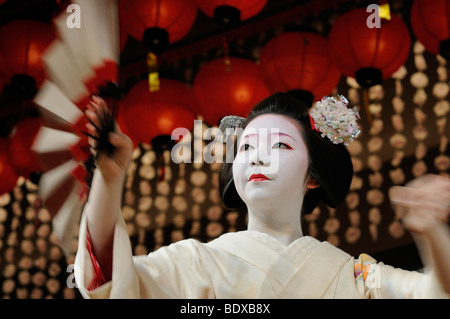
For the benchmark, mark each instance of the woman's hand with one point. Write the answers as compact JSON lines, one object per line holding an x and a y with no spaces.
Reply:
{"x":112,"y":166}
{"x":423,"y":203}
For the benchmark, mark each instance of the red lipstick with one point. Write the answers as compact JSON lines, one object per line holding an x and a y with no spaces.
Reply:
{"x":258,"y":178}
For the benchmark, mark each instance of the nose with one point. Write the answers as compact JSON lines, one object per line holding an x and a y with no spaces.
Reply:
{"x":260,"y":158}
{"x":258,"y":162}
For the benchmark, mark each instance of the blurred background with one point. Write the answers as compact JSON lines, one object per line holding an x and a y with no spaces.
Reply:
{"x":180,"y":60}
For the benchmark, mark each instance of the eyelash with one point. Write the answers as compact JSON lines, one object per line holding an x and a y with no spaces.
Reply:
{"x":283,"y":145}
{"x":245,"y":147}
{"x":280,"y":145}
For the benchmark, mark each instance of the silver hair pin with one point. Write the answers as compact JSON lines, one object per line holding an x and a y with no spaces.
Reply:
{"x":230,"y":126}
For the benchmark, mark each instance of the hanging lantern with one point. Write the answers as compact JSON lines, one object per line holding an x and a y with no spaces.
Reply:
{"x":157,"y":22}
{"x":20,"y":155}
{"x":369,"y":54}
{"x":231,"y":11}
{"x":22,"y":43}
{"x":429,"y":21}
{"x":150,"y":117}
{"x":8,"y":178}
{"x":230,"y":86}
{"x":299,"y":63}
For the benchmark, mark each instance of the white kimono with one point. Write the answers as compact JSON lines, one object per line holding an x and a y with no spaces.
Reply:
{"x":246,"y":264}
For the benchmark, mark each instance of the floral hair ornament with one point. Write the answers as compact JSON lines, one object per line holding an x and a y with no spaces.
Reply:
{"x":335,"y":120}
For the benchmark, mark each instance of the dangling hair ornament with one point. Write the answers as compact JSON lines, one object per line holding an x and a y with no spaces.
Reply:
{"x":335,"y":120}
{"x":230,"y":125}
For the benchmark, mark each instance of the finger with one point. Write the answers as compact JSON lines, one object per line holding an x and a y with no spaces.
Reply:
{"x":92,"y":142}
{"x":412,"y":197}
{"x":431,"y":182}
{"x":437,"y":209}
{"x":404,"y":196}
{"x":98,"y":103}
{"x":91,"y":129}
{"x":119,"y":140}
{"x":92,"y":118}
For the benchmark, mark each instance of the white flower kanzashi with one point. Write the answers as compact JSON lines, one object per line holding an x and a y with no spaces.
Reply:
{"x":335,"y":120}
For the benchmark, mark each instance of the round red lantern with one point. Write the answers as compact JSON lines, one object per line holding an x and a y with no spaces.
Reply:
{"x":368,"y":54}
{"x":157,"y":22}
{"x":231,"y":11}
{"x":299,"y":63}
{"x":20,"y":156}
{"x":8,"y":178}
{"x":150,"y":117}
{"x":429,"y":21}
{"x":228,"y":88}
{"x":22,"y":43}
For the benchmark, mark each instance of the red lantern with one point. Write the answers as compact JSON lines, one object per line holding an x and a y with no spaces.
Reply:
{"x":157,"y":22}
{"x":21,"y":158}
{"x":299,"y":62}
{"x":148,"y":115}
{"x":8,"y":178}
{"x":429,"y":21}
{"x":231,"y":11}
{"x":22,"y":43}
{"x":368,"y":54}
{"x":223,"y":89}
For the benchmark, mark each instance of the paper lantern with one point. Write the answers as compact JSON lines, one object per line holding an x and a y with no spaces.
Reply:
{"x":430,"y":21}
{"x":150,"y":117}
{"x":368,"y":54}
{"x":157,"y":22}
{"x":22,"y":43}
{"x":231,"y":11}
{"x":20,"y":155}
{"x":8,"y":178}
{"x":228,"y":89}
{"x":299,"y":62}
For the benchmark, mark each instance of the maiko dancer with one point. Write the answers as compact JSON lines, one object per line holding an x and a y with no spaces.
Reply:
{"x":288,"y":159}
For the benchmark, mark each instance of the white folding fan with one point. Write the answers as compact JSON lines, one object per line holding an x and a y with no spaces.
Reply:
{"x":78,"y":64}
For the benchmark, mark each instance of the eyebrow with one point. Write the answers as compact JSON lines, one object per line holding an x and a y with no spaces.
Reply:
{"x":278,"y":133}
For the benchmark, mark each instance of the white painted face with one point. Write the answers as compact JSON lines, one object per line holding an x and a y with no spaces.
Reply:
{"x":271,"y":163}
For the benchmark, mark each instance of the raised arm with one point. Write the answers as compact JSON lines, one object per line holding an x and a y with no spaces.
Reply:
{"x":424,"y":205}
{"x":104,"y":203}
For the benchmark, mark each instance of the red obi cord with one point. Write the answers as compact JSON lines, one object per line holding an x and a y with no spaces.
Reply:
{"x":98,"y":279}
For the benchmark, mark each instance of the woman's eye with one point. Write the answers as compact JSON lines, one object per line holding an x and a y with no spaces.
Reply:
{"x":282,"y":145}
{"x":245,"y":147}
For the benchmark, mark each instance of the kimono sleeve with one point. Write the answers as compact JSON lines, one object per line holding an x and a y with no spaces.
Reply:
{"x":377,"y":280}
{"x":175,"y":271}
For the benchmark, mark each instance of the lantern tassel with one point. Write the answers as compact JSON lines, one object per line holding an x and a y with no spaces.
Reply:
{"x":153,"y":76}
{"x":385,"y":11}
{"x":365,"y":94}
{"x":226,"y":54}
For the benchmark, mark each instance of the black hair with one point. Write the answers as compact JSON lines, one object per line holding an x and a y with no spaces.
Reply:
{"x":329,"y":164}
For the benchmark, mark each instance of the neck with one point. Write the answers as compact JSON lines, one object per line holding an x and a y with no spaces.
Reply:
{"x":281,"y":222}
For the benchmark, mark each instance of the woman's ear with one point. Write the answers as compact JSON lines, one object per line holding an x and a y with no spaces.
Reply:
{"x":312,"y":183}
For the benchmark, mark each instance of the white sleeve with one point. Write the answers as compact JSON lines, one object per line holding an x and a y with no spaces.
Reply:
{"x":388,"y":282}
{"x":175,"y":271}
